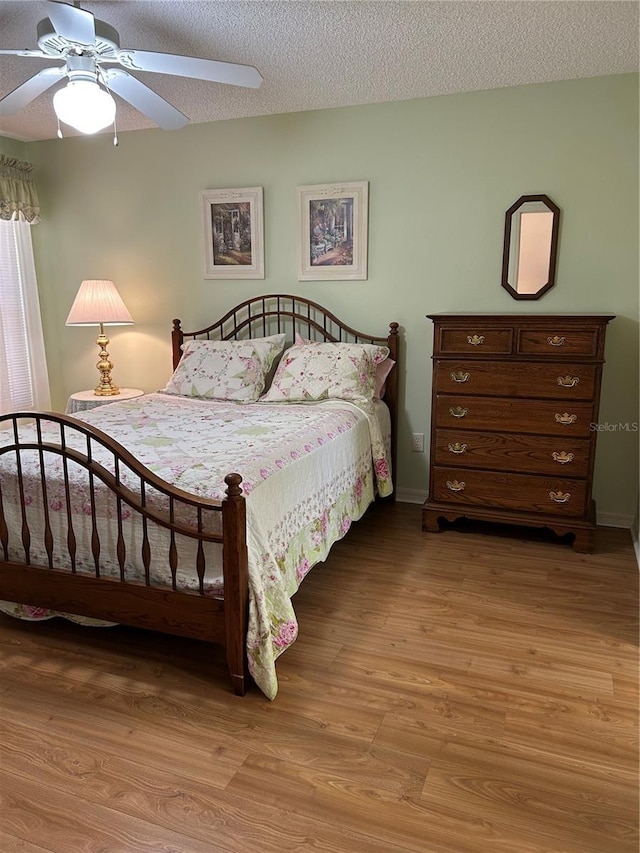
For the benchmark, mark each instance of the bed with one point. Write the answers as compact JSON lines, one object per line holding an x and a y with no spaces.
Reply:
{"x":199,"y":512}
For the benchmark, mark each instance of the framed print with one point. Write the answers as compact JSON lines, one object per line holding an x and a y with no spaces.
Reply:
{"x":233,"y":233}
{"x":332,"y":225}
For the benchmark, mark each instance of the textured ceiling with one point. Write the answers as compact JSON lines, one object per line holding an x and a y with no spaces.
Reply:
{"x":321,"y":54}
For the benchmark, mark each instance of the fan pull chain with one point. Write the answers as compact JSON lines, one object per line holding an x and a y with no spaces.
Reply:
{"x":115,"y":133}
{"x":59,"y":128}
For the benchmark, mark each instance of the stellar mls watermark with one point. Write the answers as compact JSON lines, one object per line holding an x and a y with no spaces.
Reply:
{"x":628,"y":426}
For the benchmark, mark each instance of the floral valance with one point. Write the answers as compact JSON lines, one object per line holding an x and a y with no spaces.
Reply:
{"x":17,"y":191}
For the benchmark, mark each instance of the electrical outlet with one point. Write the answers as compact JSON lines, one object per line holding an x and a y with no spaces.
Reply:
{"x":417,"y":442}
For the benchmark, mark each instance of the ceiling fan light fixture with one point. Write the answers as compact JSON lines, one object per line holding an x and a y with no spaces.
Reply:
{"x":83,"y":105}
{"x":87,"y":48}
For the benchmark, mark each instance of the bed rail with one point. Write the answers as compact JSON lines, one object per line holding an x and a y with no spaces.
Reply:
{"x":41,"y":455}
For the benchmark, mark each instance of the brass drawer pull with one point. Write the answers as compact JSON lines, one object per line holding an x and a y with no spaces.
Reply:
{"x":459,"y":411}
{"x":563,"y":457}
{"x":560,"y":497}
{"x":475,"y":340}
{"x":456,"y":447}
{"x":460,"y":376}
{"x":556,"y":341}
{"x":568,"y":381}
{"x":455,"y":485}
{"x":566,"y":418}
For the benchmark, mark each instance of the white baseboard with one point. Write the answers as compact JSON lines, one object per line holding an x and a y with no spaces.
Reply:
{"x":612,"y":519}
{"x":411,"y":496}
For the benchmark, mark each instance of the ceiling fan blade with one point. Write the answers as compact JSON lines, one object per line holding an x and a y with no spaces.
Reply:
{"x":191,"y":66}
{"x":30,"y":89}
{"x":72,"y":23}
{"x":39,"y":53}
{"x":145,"y":100}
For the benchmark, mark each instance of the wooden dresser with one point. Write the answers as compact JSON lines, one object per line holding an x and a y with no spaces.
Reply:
{"x":515,"y":403}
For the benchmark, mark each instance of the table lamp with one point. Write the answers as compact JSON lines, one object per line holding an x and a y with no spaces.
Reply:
{"x":98,"y":303}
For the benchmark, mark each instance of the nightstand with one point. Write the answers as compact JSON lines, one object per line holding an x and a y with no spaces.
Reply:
{"x":82,"y":401}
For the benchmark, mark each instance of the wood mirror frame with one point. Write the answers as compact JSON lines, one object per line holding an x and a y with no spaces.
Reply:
{"x":530,"y":246}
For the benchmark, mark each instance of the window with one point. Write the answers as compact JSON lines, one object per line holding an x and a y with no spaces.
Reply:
{"x":24,"y":383}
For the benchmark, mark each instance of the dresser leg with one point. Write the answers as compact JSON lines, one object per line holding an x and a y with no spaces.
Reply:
{"x":583,"y":542}
{"x":430,"y":522}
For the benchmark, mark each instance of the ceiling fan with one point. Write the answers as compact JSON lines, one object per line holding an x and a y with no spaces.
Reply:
{"x":95,"y":65}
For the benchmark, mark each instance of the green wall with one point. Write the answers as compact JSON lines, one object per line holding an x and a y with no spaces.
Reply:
{"x":441,"y":171}
{"x":13,"y":148}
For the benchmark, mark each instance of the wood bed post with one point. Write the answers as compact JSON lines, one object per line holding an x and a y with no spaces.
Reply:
{"x":176,"y":342}
{"x":391,"y":399}
{"x":236,"y":582}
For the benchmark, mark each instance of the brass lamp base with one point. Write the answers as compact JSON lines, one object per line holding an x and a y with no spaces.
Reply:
{"x":105,"y":388}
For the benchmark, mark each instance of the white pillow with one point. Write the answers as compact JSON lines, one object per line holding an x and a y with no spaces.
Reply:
{"x":225,"y":370}
{"x":327,"y":371}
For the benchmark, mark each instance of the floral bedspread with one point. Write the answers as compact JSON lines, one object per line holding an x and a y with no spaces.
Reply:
{"x":308,"y":471}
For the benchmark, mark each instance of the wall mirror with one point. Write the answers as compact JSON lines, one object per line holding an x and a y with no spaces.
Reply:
{"x":530,"y":246}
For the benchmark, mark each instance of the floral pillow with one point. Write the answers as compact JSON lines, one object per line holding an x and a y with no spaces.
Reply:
{"x":225,"y":370}
{"x":383,"y":369}
{"x":327,"y":371}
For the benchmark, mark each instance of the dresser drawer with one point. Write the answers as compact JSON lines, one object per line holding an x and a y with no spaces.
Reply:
{"x":525,"y":492}
{"x":512,"y":452}
{"x":474,"y":339}
{"x":495,"y":414}
{"x":517,"y":379}
{"x":557,"y":342}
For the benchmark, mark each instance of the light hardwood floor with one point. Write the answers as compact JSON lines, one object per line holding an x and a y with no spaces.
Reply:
{"x":461,"y":692}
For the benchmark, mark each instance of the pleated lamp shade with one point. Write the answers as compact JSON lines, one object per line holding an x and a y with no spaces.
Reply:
{"x":98,"y":302}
